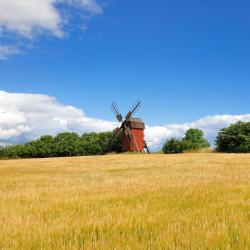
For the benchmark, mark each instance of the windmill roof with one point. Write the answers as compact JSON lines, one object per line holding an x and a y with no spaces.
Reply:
{"x":136,"y":123}
{"x":139,"y":120}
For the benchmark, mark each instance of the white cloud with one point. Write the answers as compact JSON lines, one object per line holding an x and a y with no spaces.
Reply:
{"x":30,"y":18}
{"x":25,"y":117}
{"x":25,"y":16}
{"x":8,"y":50}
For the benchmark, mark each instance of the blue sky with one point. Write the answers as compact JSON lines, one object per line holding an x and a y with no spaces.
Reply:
{"x":184,"y":59}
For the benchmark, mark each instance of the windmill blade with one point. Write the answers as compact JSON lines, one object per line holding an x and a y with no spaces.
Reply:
{"x":118,"y":131}
{"x":114,"y":108}
{"x":136,"y":106}
{"x":129,"y":133}
{"x":134,"y":109}
{"x":116,"y":112}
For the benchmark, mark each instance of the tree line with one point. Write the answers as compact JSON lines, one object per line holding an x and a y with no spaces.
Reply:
{"x":62,"y":145}
{"x":234,"y":139}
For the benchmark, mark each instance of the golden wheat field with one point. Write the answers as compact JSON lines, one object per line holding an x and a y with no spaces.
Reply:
{"x":189,"y":201}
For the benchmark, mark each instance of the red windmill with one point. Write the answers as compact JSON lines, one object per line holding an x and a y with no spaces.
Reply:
{"x":132,"y":129}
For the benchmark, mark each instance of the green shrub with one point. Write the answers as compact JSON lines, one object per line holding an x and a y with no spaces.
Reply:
{"x":113,"y":143}
{"x":66,"y":144}
{"x":193,"y":140}
{"x":12,"y":152}
{"x":63,"y":145}
{"x":173,"y":146}
{"x":40,"y":148}
{"x":234,"y":139}
{"x":90,"y":144}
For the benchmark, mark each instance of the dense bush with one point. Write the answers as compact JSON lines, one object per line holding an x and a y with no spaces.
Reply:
{"x":12,"y":151}
{"x":64,"y":144}
{"x":234,"y":139}
{"x":193,"y":140}
{"x":173,"y":146}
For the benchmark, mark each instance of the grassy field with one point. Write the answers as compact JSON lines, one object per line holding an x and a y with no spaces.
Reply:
{"x":189,"y":201}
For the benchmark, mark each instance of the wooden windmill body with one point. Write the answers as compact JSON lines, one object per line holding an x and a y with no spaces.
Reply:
{"x":132,"y":130}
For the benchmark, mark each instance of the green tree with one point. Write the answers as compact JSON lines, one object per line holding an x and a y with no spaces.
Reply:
{"x":63,"y":145}
{"x":234,"y":139}
{"x":173,"y":146}
{"x":194,"y":139}
{"x":66,"y":144}
{"x":12,"y":152}
{"x":112,"y":142}
{"x":40,"y":148}
{"x":90,"y":144}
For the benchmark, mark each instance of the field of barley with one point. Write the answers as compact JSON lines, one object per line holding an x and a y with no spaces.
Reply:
{"x":188,"y":201}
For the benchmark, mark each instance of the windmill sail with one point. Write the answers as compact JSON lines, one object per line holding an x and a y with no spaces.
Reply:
{"x":116,"y":112}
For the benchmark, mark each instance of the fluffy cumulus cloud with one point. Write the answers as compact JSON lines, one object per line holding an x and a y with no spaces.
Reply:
{"x":30,"y":18}
{"x":24,"y":117}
